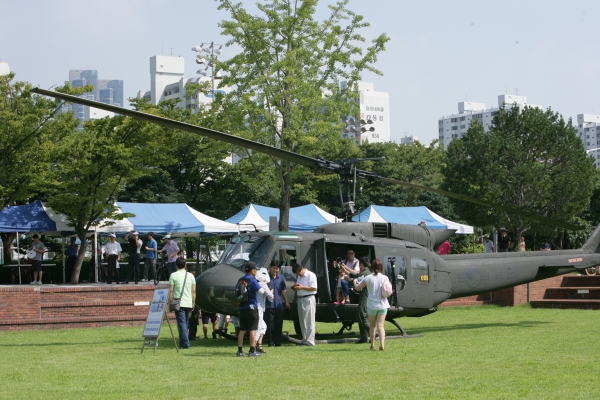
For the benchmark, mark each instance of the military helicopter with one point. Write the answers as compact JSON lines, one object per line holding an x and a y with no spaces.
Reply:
{"x":421,"y":279}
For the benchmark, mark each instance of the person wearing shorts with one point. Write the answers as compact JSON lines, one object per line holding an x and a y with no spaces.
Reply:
{"x":206,"y":317}
{"x":249,"y":311}
{"x":36,"y":262}
{"x":376,"y":305}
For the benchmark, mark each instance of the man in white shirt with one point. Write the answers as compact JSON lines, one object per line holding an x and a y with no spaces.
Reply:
{"x":113,"y":249}
{"x":306,"y":289}
{"x":488,"y":245}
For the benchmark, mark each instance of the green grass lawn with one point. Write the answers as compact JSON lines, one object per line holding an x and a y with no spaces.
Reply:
{"x":471,"y":352}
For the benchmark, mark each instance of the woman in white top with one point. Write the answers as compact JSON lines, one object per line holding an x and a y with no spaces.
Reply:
{"x":376,"y":306}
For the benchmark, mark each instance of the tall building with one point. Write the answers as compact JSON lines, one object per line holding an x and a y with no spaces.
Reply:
{"x":4,"y":68}
{"x":109,"y":91}
{"x":408,"y":139}
{"x":454,"y":126}
{"x":588,"y":130}
{"x":167,"y":82}
{"x":374,"y":107}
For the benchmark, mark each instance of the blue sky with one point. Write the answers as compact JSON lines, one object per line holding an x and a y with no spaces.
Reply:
{"x":440,"y":53}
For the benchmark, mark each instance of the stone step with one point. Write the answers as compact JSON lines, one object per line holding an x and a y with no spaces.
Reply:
{"x":580,"y":281}
{"x":573,"y":293}
{"x":566,"y":303}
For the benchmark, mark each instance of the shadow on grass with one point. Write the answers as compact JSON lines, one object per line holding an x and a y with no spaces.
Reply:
{"x":522,"y":324}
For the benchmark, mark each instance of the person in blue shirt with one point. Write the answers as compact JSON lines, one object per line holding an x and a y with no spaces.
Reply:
{"x":274,"y":309}
{"x":249,"y":311}
{"x":151,"y":249}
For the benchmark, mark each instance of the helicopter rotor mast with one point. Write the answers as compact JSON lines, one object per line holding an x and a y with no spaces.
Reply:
{"x":339,"y":168}
{"x":348,"y":173}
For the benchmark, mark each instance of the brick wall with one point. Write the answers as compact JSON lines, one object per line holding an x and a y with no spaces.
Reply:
{"x":509,"y":296}
{"x":19,"y":303}
{"x":50,"y":307}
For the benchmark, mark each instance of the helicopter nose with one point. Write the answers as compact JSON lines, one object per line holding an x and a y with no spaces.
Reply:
{"x":215,"y":289}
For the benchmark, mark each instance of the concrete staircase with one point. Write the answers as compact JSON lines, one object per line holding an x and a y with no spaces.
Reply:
{"x":575,"y":291}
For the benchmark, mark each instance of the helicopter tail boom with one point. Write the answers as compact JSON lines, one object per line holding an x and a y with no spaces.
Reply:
{"x":592,"y":245}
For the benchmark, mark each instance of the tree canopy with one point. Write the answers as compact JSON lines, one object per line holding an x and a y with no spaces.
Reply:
{"x":286,"y":81}
{"x":89,"y":167}
{"x":529,"y":159}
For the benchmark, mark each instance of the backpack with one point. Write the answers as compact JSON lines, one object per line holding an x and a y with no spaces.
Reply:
{"x":386,"y":288}
{"x":241,"y":291}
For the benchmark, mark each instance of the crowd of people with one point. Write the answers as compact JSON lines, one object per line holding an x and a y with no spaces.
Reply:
{"x":261,"y":310}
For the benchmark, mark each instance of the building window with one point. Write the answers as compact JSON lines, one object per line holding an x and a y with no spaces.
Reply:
{"x":462,"y":127}
{"x":462,"y":118}
{"x":454,"y":120}
{"x":454,"y":135}
{"x":455,"y":128}
{"x":441,"y":130}
{"x":176,"y":90}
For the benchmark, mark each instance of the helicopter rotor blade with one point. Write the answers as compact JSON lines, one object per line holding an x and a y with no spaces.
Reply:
{"x":224,"y":137}
{"x":290,"y":156}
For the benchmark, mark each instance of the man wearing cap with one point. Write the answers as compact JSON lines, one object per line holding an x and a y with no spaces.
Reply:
{"x":504,"y":241}
{"x":135,"y":244}
{"x":172,"y":250}
{"x":151,"y":249}
{"x":249,"y":311}
{"x":306,"y":288}
{"x":113,"y":249}
{"x":488,"y":245}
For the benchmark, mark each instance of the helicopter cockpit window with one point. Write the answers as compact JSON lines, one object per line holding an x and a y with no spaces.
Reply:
{"x":286,"y":255}
{"x":249,"y":248}
{"x":230,"y":246}
{"x":420,"y":269}
{"x":398,"y":262}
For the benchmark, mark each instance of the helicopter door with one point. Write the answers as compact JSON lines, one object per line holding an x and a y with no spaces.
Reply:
{"x":322,"y":272}
{"x":417,"y":290}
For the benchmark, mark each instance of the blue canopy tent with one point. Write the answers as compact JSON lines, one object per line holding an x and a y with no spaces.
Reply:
{"x":33,"y":217}
{"x":410,"y":216}
{"x":176,"y":219}
{"x":302,"y":219}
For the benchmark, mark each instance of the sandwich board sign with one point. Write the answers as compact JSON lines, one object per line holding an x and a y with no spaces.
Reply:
{"x":156,"y":314}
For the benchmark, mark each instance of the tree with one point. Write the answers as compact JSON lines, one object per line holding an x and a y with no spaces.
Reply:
{"x":413,"y":163}
{"x":92,"y":165}
{"x":530,"y":159}
{"x":286,"y":81}
{"x":28,"y":125}
{"x":158,"y":187}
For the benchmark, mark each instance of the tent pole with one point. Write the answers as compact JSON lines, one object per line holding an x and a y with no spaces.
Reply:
{"x":198,"y":269}
{"x":95,"y":253}
{"x":63,"y":259}
{"x":18,"y":258}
